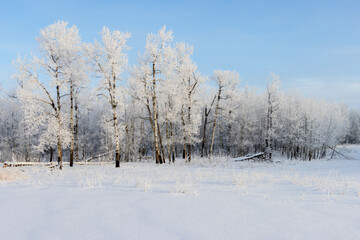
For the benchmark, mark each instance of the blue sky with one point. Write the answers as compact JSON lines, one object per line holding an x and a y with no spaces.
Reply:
{"x":314,"y":46}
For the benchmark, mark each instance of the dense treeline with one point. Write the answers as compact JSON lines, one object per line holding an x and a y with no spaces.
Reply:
{"x":161,"y":108}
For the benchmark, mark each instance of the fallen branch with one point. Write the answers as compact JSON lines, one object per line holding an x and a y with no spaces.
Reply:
{"x":248,"y":157}
{"x":22,"y":164}
{"x":97,"y":156}
{"x":343,"y":155}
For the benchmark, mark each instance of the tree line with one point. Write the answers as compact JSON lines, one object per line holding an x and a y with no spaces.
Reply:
{"x":161,"y":108}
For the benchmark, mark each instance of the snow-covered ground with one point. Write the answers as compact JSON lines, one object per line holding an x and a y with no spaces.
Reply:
{"x":217,"y":200}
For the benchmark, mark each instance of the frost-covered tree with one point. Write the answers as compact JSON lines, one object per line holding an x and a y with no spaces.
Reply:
{"x":226,"y":82}
{"x":242,"y":119}
{"x":209,"y":97}
{"x":353,"y":135}
{"x":151,"y":69}
{"x":58,"y":45}
{"x":272,"y":105}
{"x":166,"y":108}
{"x":187,"y":80}
{"x":76,"y":78}
{"x":10,"y":116}
{"x":110,"y":60}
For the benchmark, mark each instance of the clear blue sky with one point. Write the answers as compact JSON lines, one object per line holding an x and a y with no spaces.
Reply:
{"x":314,"y":46}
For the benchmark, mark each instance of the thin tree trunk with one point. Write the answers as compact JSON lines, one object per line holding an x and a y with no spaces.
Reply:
{"x":168,"y":141}
{"x":189,"y":137}
{"x":76,"y":131}
{"x":204,"y":133}
{"x":141,"y":140}
{"x":51,"y":154}
{"x":127,"y":150}
{"x":229,"y":136}
{"x":161,"y":146}
{"x":117,"y":141}
{"x":184,"y":134}
{"x":172,"y":142}
{"x":72,"y":125}
{"x":132,"y":147}
{"x":268,"y":129}
{"x":157,"y":148}
{"x":215,"y":121}
{"x":58,"y":116}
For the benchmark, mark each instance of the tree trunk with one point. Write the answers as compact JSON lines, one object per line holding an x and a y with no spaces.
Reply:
{"x":168,"y":141}
{"x":132,"y":146}
{"x":204,"y":133}
{"x":76,"y":132}
{"x":51,"y":154}
{"x":72,"y":125}
{"x":161,"y":146}
{"x":184,"y":153}
{"x":58,"y":116}
{"x":59,"y":152}
{"x":214,"y":126}
{"x":268,"y":128}
{"x":172,"y":142}
{"x":189,"y":131}
{"x":127,"y":150}
{"x":116,"y":131}
{"x":157,"y":148}
{"x":229,"y":136}
{"x":141,"y":140}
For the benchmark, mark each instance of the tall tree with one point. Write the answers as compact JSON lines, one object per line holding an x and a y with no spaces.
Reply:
{"x":76,"y":75}
{"x":110,"y":60}
{"x":58,"y":44}
{"x":188,"y":82}
{"x":146,"y":76}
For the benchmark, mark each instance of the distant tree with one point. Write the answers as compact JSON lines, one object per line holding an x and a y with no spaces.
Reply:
{"x":273,"y":101}
{"x":226,"y":82}
{"x":353,"y":133}
{"x":209,"y":100}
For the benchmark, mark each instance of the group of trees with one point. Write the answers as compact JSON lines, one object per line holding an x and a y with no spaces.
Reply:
{"x":162,"y":107}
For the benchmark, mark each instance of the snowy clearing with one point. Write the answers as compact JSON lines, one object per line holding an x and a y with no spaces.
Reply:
{"x":218,"y":200}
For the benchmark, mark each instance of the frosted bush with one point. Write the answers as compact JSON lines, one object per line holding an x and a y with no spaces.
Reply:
{"x":34,"y":183}
{"x":184,"y":188}
{"x":144,"y":184}
{"x":118,"y":180}
{"x":246,"y":178}
{"x":180,"y":188}
{"x":10,"y":174}
{"x":331,"y":185}
{"x":91,"y":181}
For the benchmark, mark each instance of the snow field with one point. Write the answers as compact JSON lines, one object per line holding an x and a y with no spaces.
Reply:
{"x":215,"y":200}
